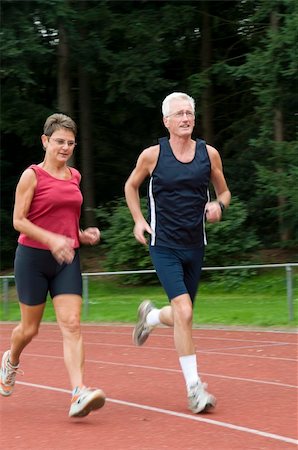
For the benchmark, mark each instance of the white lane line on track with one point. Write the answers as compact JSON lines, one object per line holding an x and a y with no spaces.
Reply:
{"x":241,"y":355}
{"x":172,"y":349}
{"x":180,"y":415}
{"x":114,"y":330}
{"x":140,"y":366}
{"x":108,"y":344}
{"x":163,"y":335}
{"x":205,"y":352}
{"x":210,"y":328}
{"x":259,"y":345}
{"x":163,"y":369}
{"x":195,"y":336}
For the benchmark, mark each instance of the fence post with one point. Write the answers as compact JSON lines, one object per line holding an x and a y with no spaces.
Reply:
{"x":290,"y":292}
{"x":5,"y":296}
{"x":85,"y":296}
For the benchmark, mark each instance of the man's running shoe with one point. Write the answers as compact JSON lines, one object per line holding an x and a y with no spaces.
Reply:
{"x":142,"y":330}
{"x":8,"y":374}
{"x":199,"y":400}
{"x":86,"y":400}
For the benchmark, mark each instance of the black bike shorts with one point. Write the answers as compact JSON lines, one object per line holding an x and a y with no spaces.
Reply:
{"x":37,"y":273}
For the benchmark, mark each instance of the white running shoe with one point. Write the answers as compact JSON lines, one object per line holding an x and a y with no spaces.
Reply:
{"x":86,"y":400}
{"x":199,"y":400}
{"x":8,"y":374}
{"x":142,"y":330}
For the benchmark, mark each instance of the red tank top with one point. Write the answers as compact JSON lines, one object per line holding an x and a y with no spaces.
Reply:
{"x":56,"y":206}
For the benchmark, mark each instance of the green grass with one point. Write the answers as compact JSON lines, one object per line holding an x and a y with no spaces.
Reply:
{"x":258,"y":300}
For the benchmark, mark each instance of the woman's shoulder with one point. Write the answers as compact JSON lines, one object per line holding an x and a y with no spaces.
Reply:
{"x":28,"y":177}
{"x":30,"y":171}
{"x":75,"y":173}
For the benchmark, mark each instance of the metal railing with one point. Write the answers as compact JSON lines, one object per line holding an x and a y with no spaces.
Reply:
{"x":288,"y":273}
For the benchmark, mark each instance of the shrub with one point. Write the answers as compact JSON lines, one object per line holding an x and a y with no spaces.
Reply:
{"x":123,"y":252}
{"x":228,"y":240}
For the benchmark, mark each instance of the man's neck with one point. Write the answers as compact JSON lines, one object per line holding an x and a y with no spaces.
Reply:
{"x":181,"y":144}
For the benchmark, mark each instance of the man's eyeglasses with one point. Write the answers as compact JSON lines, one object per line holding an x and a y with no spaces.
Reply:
{"x":62,"y":142}
{"x":180,"y":114}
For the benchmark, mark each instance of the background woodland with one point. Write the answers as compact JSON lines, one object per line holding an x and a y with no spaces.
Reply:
{"x":109,"y":64}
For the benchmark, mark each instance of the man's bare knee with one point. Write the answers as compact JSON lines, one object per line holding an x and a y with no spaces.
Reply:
{"x":182,"y":311}
{"x":70,"y":326}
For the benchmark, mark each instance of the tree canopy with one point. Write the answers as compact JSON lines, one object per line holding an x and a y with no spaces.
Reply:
{"x":109,"y":64}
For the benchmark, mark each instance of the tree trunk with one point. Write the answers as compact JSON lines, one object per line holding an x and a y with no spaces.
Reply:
{"x":278,"y":123}
{"x":86,"y":148}
{"x":65,"y":103}
{"x":206,"y":60}
{"x":279,"y":137}
{"x":63,"y":81}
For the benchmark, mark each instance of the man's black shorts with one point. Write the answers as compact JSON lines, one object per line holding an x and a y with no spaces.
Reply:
{"x":178,"y":270}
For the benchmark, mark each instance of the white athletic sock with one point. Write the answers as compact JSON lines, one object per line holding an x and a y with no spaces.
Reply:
{"x":152,"y":318}
{"x":189,"y":368}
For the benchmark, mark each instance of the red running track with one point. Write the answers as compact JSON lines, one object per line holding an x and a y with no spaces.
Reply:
{"x":253,"y":374}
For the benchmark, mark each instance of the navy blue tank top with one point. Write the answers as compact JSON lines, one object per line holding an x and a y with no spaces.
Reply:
{"x":177,"y":195}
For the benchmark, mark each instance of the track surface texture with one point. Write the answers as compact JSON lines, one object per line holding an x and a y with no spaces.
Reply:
{"x":253,"y":374}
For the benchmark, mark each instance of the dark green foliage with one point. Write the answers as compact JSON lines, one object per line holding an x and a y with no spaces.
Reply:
{"x":8,"y":240}
{"x":230,"y":242}
{"x":135,"y":53}
{"x":123,"y":252}
{"x":279,"y":179}
{"x":270,"y":68}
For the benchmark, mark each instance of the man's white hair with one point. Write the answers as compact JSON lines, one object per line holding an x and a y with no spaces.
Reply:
{"x":166,"y":104}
